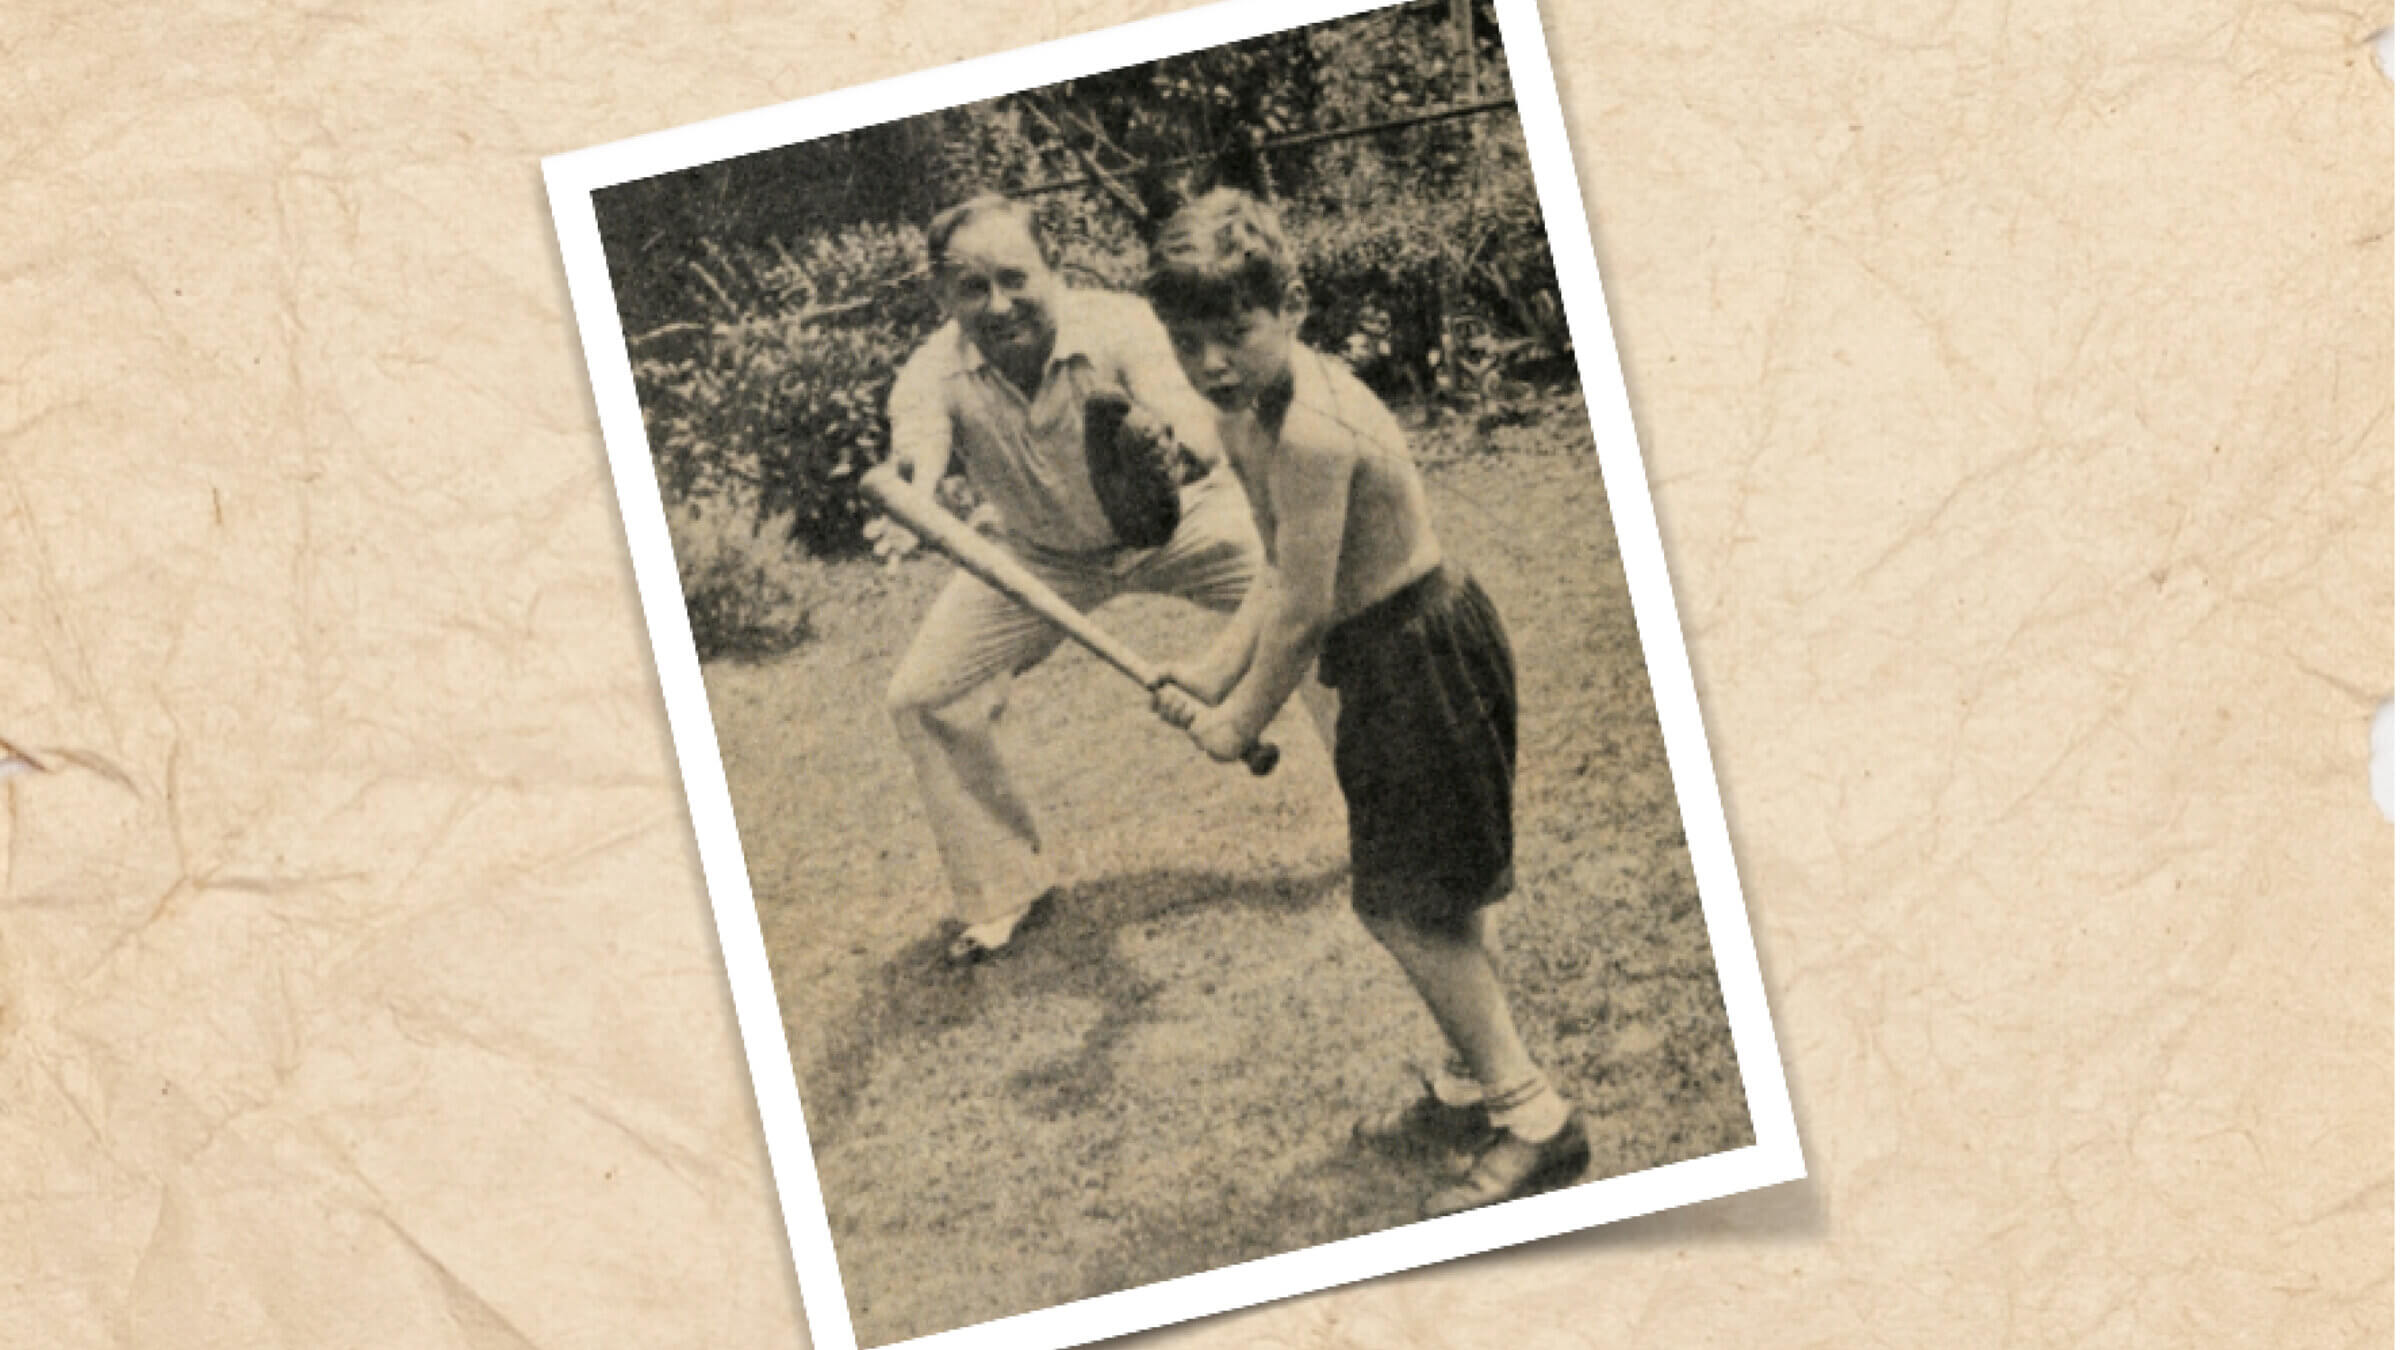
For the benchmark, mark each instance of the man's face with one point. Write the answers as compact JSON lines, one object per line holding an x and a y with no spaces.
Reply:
{"x":1231,"y":359}
{"x":997,"y":287}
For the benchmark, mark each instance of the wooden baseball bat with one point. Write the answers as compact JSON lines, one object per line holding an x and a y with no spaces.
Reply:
{"x":992,"y":565}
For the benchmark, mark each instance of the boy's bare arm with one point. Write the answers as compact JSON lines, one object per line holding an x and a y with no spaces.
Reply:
{"x":1310,"y":486}
{"x":1211,"y":674}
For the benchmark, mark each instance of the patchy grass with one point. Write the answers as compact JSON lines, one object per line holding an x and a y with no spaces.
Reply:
{"x":1161,"y":1080}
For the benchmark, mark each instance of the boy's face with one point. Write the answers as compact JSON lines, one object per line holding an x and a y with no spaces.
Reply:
{"x":1231,"y":359}
{"x":996,"y":285}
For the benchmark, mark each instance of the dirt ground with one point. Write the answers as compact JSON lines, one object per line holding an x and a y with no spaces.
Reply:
{"x":1161,"y":1080}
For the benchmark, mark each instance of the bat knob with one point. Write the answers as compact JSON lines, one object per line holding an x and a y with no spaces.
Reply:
{"x":1262,"y":757}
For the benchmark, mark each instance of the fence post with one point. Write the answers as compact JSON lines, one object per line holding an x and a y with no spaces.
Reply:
{"x":1467,"y":91}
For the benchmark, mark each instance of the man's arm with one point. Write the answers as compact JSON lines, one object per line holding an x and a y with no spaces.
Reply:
{"x":1310,"y":486}
{"x":1152,"y":375}
{"x":919,"y":412}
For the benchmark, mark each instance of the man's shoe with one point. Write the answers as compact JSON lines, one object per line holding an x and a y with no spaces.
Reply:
{"x":1424,"y":1126}
{"x":968,"y":949}
{"x":1511,"y":1168}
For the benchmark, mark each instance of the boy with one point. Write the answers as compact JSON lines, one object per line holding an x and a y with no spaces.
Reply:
{"x":1425,"y":748}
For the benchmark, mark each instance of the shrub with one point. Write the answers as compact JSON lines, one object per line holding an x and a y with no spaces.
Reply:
{"x":738,"y":581}
{"x":775,"y":396}
{"x":1438,"y":300}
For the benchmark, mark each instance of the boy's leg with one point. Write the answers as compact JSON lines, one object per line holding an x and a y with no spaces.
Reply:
{"x":945,"y":699}
{"x":1537,"y":1143}
{"x":1427,"y":764}
{"x":1456,"y":976}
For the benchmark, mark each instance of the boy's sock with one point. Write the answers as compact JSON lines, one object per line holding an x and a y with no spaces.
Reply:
{"x":1454,"y":1084}
{"x":1532,"y":1110}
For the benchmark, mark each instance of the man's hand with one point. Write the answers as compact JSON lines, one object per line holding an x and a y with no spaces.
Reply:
{"x":1145,"y":429}
{"x":1136,"y":465}
{"x":891,"y":539}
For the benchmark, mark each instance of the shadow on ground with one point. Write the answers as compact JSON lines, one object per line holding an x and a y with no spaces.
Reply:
{"x":1074,"y":952}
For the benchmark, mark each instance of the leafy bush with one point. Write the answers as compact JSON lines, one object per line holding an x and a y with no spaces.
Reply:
{"x":738,"y":581}
{"x":775,"y":396}
{"x":1436,"y":301}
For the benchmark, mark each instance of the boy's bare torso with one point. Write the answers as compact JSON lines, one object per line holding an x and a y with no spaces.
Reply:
{"x":1336,"y":428}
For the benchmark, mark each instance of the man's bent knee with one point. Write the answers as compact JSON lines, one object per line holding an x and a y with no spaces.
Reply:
{"x":906,"y":699}
{"x":913,"y":700}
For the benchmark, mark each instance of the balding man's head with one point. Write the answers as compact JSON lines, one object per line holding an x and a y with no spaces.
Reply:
{"x":993,"y":273}
{"x":976,"y":210}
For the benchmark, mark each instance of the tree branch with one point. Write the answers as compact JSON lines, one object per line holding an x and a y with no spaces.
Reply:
{"x":1122,"y":195}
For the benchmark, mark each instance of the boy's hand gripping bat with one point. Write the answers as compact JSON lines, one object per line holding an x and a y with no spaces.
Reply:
{"x":992,"y":565}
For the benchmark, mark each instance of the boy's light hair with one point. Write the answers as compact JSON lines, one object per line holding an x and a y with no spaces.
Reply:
{"x":1220,"y":255}
{"x":953,"y":219}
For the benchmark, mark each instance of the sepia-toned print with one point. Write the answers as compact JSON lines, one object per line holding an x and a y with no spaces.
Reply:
{"x":1160,"y":585}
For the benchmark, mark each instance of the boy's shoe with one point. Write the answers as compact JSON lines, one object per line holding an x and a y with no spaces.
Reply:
{"x":1426,"y":1125}
{"x":1510,"y":1168}
{"x":966,"y":949}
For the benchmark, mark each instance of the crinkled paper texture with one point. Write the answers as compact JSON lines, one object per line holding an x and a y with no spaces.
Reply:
{"x":2016,"y":386}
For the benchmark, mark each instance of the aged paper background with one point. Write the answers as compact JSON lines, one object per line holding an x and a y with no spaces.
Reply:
{"x":2016,"y":383}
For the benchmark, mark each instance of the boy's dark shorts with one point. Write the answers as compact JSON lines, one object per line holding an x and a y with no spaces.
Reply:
{"x":1426,"y":750}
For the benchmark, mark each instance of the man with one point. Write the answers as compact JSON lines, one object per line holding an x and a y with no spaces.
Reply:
{"x":1002,"y":384}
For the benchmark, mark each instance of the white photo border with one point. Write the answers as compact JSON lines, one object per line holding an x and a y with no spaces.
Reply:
{"x":1772,"y":1158}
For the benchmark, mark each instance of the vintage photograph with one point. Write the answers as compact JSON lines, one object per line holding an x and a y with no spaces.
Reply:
{"x":1165,"y":633}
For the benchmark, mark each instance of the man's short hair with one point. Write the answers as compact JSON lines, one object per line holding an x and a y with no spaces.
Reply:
{"x":952,"y":219}
{"x":1220,"y":255}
